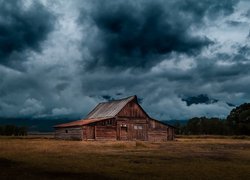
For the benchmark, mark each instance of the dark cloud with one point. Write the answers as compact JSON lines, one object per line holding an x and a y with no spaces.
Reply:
{"x":107,"y":97}
{"x":210,"y":9}
{"x":140,"y":34}
{"x":61,"y":86}
{"x":22,"y":28}
{"x":186,"y":48}
{"x":200,"y":99}
{"x":136,"y":35}
{"x":247,"y":14}
{"x":230,"y":104}
{"x":244,"y":50}
{"x":140,"y":100}
{"x":234,"y":23}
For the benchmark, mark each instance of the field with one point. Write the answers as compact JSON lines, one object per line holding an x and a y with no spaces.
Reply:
{"x":186,"y":158}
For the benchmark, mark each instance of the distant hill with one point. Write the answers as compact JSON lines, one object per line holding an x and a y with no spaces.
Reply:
{"x":173,"y":122}
{"x":35,"y":124}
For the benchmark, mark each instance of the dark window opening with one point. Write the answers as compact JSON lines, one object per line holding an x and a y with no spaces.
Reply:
{"x":109,"y":122}
{"x":124,"y":129}
{"x":66,"y":131}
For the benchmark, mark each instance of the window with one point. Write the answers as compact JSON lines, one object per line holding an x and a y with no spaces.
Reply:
{"x":109,"y":122}
{"x":137,"y":127}
{"x":66,"y":131}
{"x":124,"y":129}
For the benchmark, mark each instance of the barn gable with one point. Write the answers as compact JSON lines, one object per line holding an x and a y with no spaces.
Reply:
{"x":132,"y":110}
{"x":121,"y":107}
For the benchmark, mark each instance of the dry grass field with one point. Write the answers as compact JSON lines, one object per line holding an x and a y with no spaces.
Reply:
{"x":186,"y":158}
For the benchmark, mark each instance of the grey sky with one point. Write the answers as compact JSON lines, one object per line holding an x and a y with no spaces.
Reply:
{"x":60,"y":58}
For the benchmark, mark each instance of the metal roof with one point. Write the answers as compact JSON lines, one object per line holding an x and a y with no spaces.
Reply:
{"x":80,"y":122}
{"x":109,"y":109}
{"x":103,"y":111}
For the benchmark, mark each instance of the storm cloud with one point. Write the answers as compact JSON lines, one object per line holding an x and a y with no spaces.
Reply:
{"x":76,"y":54}
{"x":22,"y":27}
{"x":142,"y":33}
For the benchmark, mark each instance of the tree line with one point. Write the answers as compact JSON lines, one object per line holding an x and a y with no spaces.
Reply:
{"x":12,"y":130}
{"x":236,"y":123}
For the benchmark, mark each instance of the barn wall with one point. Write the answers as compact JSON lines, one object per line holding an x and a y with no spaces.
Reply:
{"x":132,"y":110}
{"x":105,"y":132}
{"x":74,"y":133}
{"x":84,"y":134}
{"x":98,"y":132}
{"x":121,"y":128}
{"x":102,"y":130}
{"x":132,"y":129}
{"x":157,"y":135}
{"x":171,"y":134}
{"x":159,"y":132}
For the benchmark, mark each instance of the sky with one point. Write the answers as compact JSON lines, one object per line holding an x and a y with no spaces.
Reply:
{"x":61,"y":58}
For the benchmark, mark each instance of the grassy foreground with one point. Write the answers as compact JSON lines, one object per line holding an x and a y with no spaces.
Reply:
{"x":186,"y":158}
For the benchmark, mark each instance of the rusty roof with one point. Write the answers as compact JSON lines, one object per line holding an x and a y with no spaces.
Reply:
{"x":102,"y":111}
{"x":80,"y":122}
{"x":109,"y":109}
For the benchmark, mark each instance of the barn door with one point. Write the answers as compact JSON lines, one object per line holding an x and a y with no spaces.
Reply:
{"x":90,"y":132}
{"x":124,"y":133}
{"x":139,"y":132}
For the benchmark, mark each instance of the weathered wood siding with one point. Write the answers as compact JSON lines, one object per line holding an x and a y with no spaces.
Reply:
{"x":105,"y":133}
{"x":74,"y":133}
{"x":84,"y":132}
{"x":103,"y":130}
{"x":159,"y":132}
{"x":132,"y":110}
{"x":132,"y":129}
{"x":171,"y":134}
{"x":119,"y":129}
{"x":90,"y":132}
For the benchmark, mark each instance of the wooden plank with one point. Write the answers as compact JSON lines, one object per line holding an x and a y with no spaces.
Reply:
{"x":90,"y":132}
{"x":132,"y":109}
{"x":74,"y":133}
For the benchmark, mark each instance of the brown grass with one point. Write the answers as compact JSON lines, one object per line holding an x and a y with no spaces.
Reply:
{"x":186,"y":158}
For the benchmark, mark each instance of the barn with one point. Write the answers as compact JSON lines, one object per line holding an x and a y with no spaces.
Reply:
{"x":122,"y":119}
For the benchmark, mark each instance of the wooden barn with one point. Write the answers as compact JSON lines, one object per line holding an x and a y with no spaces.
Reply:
{"x":122,"y":119}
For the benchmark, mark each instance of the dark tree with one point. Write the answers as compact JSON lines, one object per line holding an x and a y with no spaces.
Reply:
{"x":205,"y":126}
{"x":12,"y":130}
{"x":9,"y":130}
{"x":1,"y":130}
{"x":239,"y":120}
